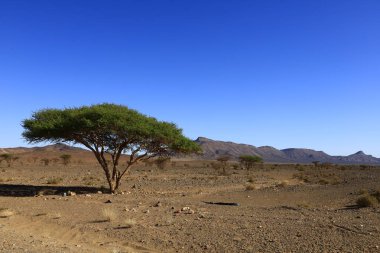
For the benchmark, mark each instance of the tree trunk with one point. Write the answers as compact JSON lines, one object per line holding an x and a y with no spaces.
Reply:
{"x":114,"y":184}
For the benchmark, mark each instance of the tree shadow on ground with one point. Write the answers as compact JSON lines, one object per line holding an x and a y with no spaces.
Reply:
{"x":20,"y":190}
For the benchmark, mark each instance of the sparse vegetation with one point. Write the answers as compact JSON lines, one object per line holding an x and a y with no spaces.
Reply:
{"x":366,"y":201}
{"x":283,"y":183}
{"x":223,"y":162}
{"x":162,"y":162}
{"x":54,"y":180}
{"x":318,"y":177}
{"x":90,"y":180}
{"x":45,"y":161}
{"x":251,"y":187}
{"x":128,"y":223}
{"x":6,"y":212}
{"x":109,"y":214}
{"x":5,"y":180}
{"x":8,"y":158}
{"x":66,"y":159}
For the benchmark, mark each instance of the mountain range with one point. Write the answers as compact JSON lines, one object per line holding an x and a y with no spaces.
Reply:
{"x":212,"y":149}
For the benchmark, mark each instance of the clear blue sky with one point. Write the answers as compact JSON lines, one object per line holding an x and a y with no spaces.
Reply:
{"x":280,"y":73}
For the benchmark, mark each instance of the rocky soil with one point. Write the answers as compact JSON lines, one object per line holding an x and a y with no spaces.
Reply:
{"x":287,"y":208}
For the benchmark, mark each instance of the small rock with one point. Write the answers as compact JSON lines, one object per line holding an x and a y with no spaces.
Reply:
{"x":187,"y":210}
{"x":147,"y":211}
{"x":88,"y":195}
{"x":108,"y":201}
{"x":158,"y":204}
{"x":100,"y":192}
{"x":70,"y":193}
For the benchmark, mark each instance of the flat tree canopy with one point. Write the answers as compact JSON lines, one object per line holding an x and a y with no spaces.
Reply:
{"x":248,"y":161}
{"x":109,"y":129}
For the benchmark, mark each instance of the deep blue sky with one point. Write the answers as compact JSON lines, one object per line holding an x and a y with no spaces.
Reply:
{"x":280,"y":73}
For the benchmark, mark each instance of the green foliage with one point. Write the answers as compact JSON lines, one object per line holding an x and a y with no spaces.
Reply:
{"x":249,"y":161}
{"x":109,"y":129}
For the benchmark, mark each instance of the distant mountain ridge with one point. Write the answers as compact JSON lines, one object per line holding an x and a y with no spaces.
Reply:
{"x":213,"y":149}
{"x":58,"y":147}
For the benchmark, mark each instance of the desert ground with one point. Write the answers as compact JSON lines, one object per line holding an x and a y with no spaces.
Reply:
{"x":180,"y":208}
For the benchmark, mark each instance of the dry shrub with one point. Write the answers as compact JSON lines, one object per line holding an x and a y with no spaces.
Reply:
{"x":129,"y":222}
{"x":363,"y":191}
{"x":5,"y":213}
{"x":109,"y":214}
{"x":317,"y":177}
{"x":251,"y":180}
{"x":283,"y":183}
{"x":2,"y":180}
{"x":91,"y":181}
{"x":251,"y":187}
{"x":367,"y":201}
{"x":303,"y":205}
{"x":376,"y":194}
{"x":54,"y":180}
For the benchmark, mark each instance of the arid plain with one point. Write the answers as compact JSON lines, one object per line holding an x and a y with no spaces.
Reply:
{"x":188,"y":206}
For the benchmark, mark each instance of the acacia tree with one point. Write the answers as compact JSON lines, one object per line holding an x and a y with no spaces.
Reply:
{"x":223,"y":161}
{"x":109,"y":131}
{"x":249,"y":161}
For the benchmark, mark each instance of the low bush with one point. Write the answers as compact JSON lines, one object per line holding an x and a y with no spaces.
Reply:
{"x":366,"y":201}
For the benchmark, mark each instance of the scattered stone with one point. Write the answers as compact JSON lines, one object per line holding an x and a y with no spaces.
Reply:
{"x":70,"y":193}
{"x":187,"y":210}
{"x":108,"y":201}
{"x":147,"y":211}
{"x":100,"y":192}
{"x":88,"y":195}
{"x":202,"y":215}
{"x":158,"y":204}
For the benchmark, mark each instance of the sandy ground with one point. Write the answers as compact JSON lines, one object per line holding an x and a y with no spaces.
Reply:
{"x":165,"y":210}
